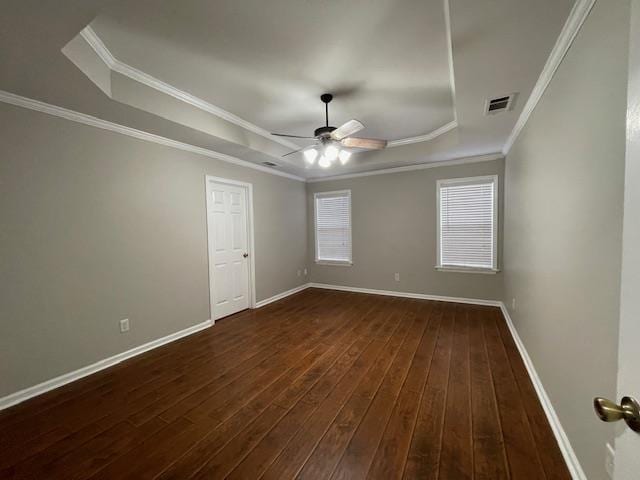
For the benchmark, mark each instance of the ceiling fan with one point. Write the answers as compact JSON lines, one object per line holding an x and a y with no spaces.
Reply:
{"x":332,"y":143}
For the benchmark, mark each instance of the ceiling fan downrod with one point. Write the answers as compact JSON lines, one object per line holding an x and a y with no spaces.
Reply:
{"x":326,"y":98}
{"x":323,"y":132}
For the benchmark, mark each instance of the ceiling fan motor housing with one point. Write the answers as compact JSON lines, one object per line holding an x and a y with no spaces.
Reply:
{"x":323,"y":131}
{"x":338,"y":140}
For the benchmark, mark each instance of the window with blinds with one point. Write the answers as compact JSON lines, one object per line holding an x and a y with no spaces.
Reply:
{"x":467,"y":223}
{"x":333,"y":226}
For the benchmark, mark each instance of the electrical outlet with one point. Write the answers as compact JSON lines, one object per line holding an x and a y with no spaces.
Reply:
{"x":299,"y":272}
{"x":397,"y":277}
{"x":124,"y":325}
{"x":305,"y":272}
{"x":609,"y":459}
{"x":513,"y":303}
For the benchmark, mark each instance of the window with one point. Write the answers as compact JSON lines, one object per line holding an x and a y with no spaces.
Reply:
{"x":333,"y":227}
{"x":468,"y":224}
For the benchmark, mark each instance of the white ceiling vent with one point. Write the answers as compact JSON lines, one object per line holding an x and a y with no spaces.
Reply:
{"x":499,"y":104}
{"x":270,"y":164}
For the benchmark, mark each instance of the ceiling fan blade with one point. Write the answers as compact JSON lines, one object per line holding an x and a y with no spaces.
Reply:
{"x":368,"y":143}
{"x":295,"y":151}
{"x":290,"y":136}
{"x":346,"y":129}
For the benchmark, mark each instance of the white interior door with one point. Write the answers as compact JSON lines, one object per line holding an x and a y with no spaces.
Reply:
{"x":228,"y":248}
{"x":627,"y":444}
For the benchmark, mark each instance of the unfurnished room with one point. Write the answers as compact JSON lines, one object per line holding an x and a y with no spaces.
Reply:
{"x":320,"y":239}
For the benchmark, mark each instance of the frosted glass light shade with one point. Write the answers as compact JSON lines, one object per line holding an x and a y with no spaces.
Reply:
{"x":331,"y":152}
{"x":310,"y":155}
{"x":344,"y":156}
{"x":324,"y":162}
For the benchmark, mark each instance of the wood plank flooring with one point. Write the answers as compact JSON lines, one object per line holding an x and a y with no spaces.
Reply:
{"x":322,"y":384}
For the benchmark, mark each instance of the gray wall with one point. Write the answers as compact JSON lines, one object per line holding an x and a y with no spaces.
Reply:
{"x":563,"y":223}
{"x":98,"y":226}
{"x":394,"y":230}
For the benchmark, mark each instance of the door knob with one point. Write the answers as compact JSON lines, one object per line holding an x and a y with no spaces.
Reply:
{"x":628,"y":410}
{"x":245,"y":255}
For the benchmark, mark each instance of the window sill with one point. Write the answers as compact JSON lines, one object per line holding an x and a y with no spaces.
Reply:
{"x":454,"y":269}
{"x":335,"y":263}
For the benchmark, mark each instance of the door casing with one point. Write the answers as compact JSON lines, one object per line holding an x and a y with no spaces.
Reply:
{"x":627,"y":442}
{"x":209,"y":180}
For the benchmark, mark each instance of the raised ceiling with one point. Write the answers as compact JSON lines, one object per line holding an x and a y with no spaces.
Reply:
{"x":405,"y":68}
{"x":386,"y":61}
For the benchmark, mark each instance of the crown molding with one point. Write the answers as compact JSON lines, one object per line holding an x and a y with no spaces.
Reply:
{"x":452,"y":76}
{"x":409,"y":168}
{"x":98,"y":46}
{"x":139,"y":76}
{"x":92,"y":38}
{"x":17,"y":100}
{"x":37,"y":105}
{"x":452,"y":83}
{"x":424,"y":138}
{"x":576,"y":19}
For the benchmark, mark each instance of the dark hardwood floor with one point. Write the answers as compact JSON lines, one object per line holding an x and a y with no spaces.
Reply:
{"x":320,"y":385}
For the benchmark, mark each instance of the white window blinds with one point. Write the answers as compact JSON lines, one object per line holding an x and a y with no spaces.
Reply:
{"x":333,"y":226}
{"x":468,"y":222}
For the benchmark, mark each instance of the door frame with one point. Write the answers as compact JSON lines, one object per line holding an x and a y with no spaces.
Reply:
{"x":627,"y":441}
{"x":248,"y":187}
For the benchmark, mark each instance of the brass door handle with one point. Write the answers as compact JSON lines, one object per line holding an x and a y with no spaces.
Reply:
{"x":628,"y":410}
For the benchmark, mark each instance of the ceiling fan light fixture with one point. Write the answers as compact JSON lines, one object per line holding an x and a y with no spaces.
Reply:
{"x":310,"y":155}
{"x":324,"y":162}
{"x":329,"y":141}
{"x":331,"y":152}
{"x":344,"y":156}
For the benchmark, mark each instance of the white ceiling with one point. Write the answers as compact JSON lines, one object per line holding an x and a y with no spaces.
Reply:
{"x":388,"y":61}
{"x":268,"y":61}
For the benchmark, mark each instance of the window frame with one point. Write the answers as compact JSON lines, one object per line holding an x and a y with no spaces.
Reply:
{"x":319,"y":261}
{"x":495,"y":239}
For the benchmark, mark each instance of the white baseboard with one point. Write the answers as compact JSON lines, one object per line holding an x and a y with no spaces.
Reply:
{"x":422,"y":296}
{"x":569,"y":455}
{"x":280,"y":296}
{"x":30,"y":392}
{"x":563,"y":441}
